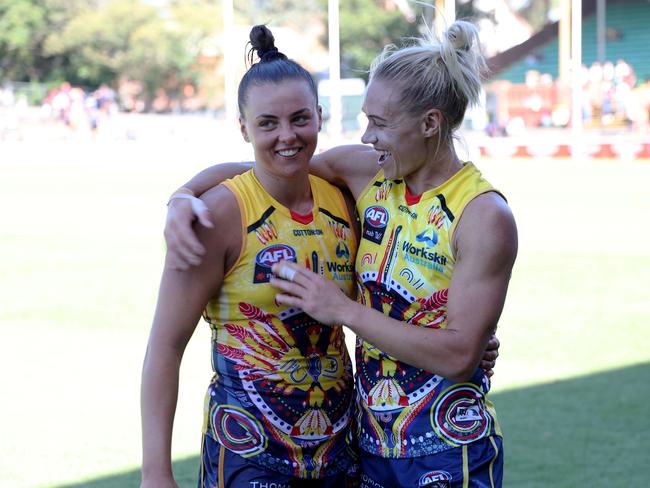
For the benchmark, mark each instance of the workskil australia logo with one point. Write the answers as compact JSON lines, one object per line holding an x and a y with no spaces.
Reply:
{"x":342,"y":251}
{"x":375,"y":220}
{"x":340,"y":271}
{"x":428,"y":236}
{"x":422,"y":256}
{"x":267,"y":257}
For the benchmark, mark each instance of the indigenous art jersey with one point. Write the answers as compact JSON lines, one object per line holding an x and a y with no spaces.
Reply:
{"x":404,"y":266}
{"x":282,"y":389}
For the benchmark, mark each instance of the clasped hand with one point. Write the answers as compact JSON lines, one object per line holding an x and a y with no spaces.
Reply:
{"x":310,"y":292}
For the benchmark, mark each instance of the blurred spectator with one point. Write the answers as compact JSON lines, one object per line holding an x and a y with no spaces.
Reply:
{"x":79,"y":111}
{"x":61,"y":103}
{"x":609,"y":99}
{"x":623,"y":73}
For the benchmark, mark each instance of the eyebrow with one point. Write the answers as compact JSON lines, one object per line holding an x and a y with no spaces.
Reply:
{"x":297,"y":112}
{"x":375,"y":117}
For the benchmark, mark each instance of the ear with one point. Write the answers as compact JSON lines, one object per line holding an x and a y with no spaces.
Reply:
{"x":431,"y":122}
{"x":242,"y":128}
{"x":320,"y":118}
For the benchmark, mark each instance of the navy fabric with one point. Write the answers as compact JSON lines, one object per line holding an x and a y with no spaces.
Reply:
{"x":484,"y":461}
{"x":240,"y":473}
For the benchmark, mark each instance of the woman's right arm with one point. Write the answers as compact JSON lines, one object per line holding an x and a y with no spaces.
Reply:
{"x":183,"y":247}
{"x":181,"y":299}
{"x":350,"y":166}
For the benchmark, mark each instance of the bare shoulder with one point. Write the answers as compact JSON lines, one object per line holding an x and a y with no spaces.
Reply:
{"x":488,"y":227}
{"x":221,"y":202}
{"x":226,"y":236}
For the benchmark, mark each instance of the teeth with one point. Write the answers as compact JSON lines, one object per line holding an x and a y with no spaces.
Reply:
{"x":287,"y":153}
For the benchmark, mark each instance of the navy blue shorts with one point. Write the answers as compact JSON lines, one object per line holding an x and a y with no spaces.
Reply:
{"x":221,"y":468}
{"x":475,"y":465}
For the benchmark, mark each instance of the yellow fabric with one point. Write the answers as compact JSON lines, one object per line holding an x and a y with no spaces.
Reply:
{"x":404,"y":266}
{"x":281,"y":377}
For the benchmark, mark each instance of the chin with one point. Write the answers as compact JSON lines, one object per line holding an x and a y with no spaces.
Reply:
{"x":390,"y":173}
{"x":296,"y":170}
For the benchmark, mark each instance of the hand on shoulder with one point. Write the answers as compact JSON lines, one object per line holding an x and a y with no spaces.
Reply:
{"x":183,"y":248}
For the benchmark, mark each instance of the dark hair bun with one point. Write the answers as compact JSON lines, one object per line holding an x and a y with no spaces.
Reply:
{"x":263,"y":42}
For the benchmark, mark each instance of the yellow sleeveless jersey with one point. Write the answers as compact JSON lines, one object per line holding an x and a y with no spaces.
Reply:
{"x":282,"y":390}
{"x":404,"y":267}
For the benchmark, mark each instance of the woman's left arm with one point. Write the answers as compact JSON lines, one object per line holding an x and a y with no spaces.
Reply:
{"x":181,"y":299}
{"x":486,"y":247}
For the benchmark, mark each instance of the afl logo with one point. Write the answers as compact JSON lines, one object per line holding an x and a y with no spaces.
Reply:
{"x":435,"y":479}
{"x":267,"y":257}
{"x":376,"y":216}
{"x":375,"y":219}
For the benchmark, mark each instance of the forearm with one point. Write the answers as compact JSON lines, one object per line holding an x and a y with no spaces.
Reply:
{"x":445,"y":352}
{"x":159,"y":395}
{"x":212,"y":176}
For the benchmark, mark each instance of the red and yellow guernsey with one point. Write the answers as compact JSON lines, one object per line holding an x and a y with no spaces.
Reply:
{"x":404,"y":267}
{"x":282,"y":389}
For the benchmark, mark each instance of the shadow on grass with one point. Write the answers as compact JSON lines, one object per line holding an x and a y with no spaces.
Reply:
{"x":585,"y":432}
{"x":185,"y":471}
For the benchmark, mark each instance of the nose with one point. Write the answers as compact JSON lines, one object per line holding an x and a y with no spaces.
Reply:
{"x":286,"y":134}
{"x":368,"y":137}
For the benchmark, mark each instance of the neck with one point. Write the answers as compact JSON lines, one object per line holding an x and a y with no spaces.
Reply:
{"x":440,"y":165}
{"x":293,"y":192}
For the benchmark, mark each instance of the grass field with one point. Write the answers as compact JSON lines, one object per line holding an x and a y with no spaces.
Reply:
{"x":80,"y":257}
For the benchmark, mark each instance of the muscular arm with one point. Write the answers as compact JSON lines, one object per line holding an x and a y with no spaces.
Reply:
{"x":212,"y":176}
{"x":182,"y":297}
{"x":486,"y":247}
{"x":350,"y":167}
{"x":346,"y":166}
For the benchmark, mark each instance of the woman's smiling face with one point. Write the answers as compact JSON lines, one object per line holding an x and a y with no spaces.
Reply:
{"x":281,"y":121}
{"x":395,"y":135}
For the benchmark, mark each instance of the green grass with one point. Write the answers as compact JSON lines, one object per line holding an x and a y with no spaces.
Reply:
{"x":80,"y":257}
{"x":550,"y":441}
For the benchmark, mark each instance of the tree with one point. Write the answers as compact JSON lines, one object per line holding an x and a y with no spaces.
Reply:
{"x":25,"y":27}
{"x":127,"y":39}
{"x":366,"y":26}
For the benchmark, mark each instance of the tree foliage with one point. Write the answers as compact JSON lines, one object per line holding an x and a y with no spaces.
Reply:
{"x":292,"y":13}
{"x":89,"y":42}
{"x":25,"y":27}
{"x":137,"y":41}
{"x":160,"y":42}
{"x":366,"y":26}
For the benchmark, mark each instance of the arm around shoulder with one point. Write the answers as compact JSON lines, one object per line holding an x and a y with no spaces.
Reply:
{"x":351,"y":166}
{"x":214,"y":175}
{"x":183,"y":246}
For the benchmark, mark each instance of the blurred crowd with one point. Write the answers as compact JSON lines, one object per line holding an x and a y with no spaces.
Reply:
{"x":80,"y":110}
{"x":612,"y":97}
{"x":609,"y":96}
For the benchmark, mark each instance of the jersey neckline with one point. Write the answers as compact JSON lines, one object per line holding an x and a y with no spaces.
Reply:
{"x":303,"y":219}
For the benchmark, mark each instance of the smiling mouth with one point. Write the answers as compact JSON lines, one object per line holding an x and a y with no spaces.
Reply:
{"x":383,"y":156}
{"x":288,"y":153}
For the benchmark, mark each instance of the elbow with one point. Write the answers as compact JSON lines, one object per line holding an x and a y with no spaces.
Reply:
{"x":462,"y":367}
{"x":461,"y":375}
